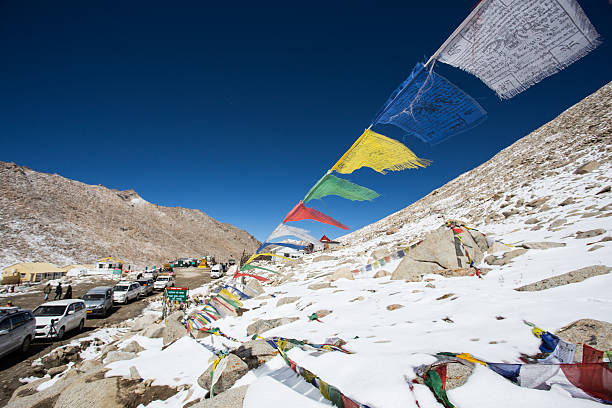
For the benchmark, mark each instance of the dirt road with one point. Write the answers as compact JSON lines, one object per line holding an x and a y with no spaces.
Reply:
{"x":15,"y":366}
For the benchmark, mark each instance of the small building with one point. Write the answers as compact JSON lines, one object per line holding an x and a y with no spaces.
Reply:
{"x":286,"y":252}
{"x":109,"y":265}
{"x":184,"y":263}
{"x":31,"y":272}
{"x":328,"y":243}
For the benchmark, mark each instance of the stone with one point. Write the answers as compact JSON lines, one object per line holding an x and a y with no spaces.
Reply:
{"x":457,"y":272}
{"x":392,"y":231}
{"x":322,"y":313}
{"x":155,"y":331}
{"x":506,"y":258}
{"x":567,"y":201}
{"x":342,"y":273}
{"x":532,"y":221}
{"x":235,"y":368}
{"x":480,"y":240}
{"x":558,"y":223}
{"x":322,"y":258}
{"x":381,"y":274}
{"x":317,"y":286}
{"x":394,"y":306}
{"x":118,"y":356}
{"x":134,"y":374}
{"x":287,"y":300}
{"x":590,"y":233}
{"x":232,"y":398}
{"x":255,"y":286}
{"x":606,"y":189}
{"x":28,"y":388}
{"x":497,"y":246}
{"x":141,"y":323}
{"x":261,"y":325}
{"x":508,"y":214}
{"x":542,"y":245}
{"x":174,"y":328}
{"x":93,"y":394}
{"x":595,"y":333}
{"x":595,"y":248}
{"x":90,"y":365}
{"x":56,"y":370}
{"x":457,"y":374}
{"x":413,"y":271}
{"x":537,"y":202}
{"x":587,"y":168}
{"x":379,"y":253}
{"x":570,"y":277}
{"x":255,"y":352}
{"x":133,"y":347}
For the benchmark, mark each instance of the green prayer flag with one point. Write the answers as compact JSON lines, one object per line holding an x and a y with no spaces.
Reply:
{"x":434,"y":382}
{"x":335,"y":396}
{"x":246,"y":267}
{"x":332,"y":185}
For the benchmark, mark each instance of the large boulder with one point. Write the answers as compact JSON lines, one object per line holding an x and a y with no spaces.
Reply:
{"x":133,"y":347}
{"x":254,"y":287}
{"x":287,"y":300}
{"x":93,"y":394}
{"x":564,"y":279}
{"x":174,"y":328}
{"x":413,"y":271}
{"x":344,"y":272}
{"x":543,"y":245}
{"x":234,"y":369}
{"x":506,"y":258}
{"x":141,"y":323}
{"x":587,"y":168}
{"x":118,"y":356}
{"x":261,"y":326}
{"x":255,"y":352}
{"x":155,"y":331}
{"x":232,"y":398}
{"x":595,"y":333}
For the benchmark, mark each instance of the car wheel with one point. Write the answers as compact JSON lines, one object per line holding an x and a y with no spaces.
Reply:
{"x":25,"y":346}
{"x":60,"y":333}
{"x":81,"y":324}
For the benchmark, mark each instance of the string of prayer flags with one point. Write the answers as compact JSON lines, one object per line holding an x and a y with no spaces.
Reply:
{"x":430,"y":107}
{"x":512,"y":45}
{"x":379,"y":153}
{"x":246,"y":267}
{"x":257,"y":255}
{"x":283,"y":244}
{"x":332,"y":185}
{"x":301,"y":212}
{"x":283,"y":230}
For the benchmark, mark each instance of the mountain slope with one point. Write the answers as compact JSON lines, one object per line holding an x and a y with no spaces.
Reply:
{"x":51,"y":218}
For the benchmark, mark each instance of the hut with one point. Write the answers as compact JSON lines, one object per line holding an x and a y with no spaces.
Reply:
{"x":31,"y":272}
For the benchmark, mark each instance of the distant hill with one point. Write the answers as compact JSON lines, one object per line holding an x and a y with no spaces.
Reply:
{"x":47,"y":217}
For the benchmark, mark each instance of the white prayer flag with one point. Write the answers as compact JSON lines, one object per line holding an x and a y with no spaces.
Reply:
{"x":284,"y":230}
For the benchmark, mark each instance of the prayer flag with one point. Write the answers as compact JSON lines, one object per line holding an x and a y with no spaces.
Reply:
{"x":332,"y":185}
{"x":283,"y":244}
{"x":379,"y":153}
{"x":511,"y":45}
{"x":428,"y":106}
{"x":301,"y":212}
{"x":284,"y":230}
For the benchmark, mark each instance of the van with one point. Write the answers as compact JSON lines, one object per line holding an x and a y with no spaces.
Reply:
{"x":216,"y":271}
{"x":54,"y":319}
{"x":99,"y":300}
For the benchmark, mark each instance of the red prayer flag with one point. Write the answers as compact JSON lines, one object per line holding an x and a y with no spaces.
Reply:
{"x":591,"y":355}
{"x":348,"y":403}
{"x":441,"y":370}
{"x":301,"y":212}
{"x":593,"y":378}
{"x":259,"y":278}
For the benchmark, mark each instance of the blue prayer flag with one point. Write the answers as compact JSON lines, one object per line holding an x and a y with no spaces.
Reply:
{"x":294,"y":246}
{"x":431,"y":108}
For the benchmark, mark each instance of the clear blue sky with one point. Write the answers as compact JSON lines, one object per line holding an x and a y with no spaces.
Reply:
{"x":238,"y":110}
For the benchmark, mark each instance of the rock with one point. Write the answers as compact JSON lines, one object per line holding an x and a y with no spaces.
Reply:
{"x":497,"y":246}
{"x":604,"y":190}
{"x":506,"y":258}
{"x":392,"y":231}
{"x":255,"y":352}
{"x":537,"y":202}
{"x":453,"y":273}
{"x":480,"y":240}
{"x":590,"y":233}
{"x":379,"y":253}
{"x":174,"y":328}
{"x":322,"y":313}
{"x":381,"y":274}
{"x":394,"y":306}
{"x":595,"y":333}
{"x":343,"y":273}
{"x":542,"y":245}
{"x":155,"y":331}
{"x":234,"y":369}
{"x":558,"y":223}
{"x":90,"y":365}
{"x":232,"y":398}
{"x":141,"y":323}
{"x":134,"y":374}
{"x":56,"y":370}
{"x":508,"y":214}
{"x":532,"y":221}
{"x":587,"y":168}
{"x":255,"y":287}
{"x":133,"y":347}
{"x":567,"y":201}
{"x":595,"y":248}
{"x":322,"y":258}
{"x":261,"y":325}
{"x":28,"y":388}
{"x":287,"y":300}
{"x":98,"y":393}
{"x":317,"y":286}
{"x":413,"y":271}
{"x":457,"y":374}
{"x":118,"y":356}
{"x":570,"y":277}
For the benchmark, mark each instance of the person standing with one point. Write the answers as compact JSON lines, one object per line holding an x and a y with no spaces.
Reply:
{"x":58,"y":291}
{"x":47,"y":291}
{"x":68,"y":294}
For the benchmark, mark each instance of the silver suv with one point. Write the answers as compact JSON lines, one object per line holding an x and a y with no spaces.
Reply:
{"x":99,"y":300}
{"x":17,"y":330}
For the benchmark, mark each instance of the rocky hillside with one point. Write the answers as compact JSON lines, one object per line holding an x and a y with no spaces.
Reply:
{"x":542,"y":166}
{"x":46,"y":217}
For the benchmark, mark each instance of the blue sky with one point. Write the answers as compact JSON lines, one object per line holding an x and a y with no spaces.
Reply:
{"x":238,"y":110}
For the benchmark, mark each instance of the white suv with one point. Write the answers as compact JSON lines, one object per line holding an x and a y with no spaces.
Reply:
{"x":54,"y":319}
{"x":126,"y":291}
{"x":163,"y":282}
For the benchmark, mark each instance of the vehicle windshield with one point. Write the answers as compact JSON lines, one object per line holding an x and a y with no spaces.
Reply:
{"x":143,"y":282}
{"x":162,"y":279}
{"x":42,"y":311}
{"x":94,"y":296}
{"x":122,"y":288}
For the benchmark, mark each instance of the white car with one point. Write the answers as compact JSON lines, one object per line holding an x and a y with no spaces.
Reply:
{"x":163,"y":282}
{"x":54,"y":319}
{"x":126,"y":291}
{"x":216,"y":271}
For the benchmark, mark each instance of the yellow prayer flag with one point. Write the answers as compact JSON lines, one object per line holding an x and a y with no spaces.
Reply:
{"x":470,"y":358}
{"x":255,"y":256}
{"x":379,"y":153}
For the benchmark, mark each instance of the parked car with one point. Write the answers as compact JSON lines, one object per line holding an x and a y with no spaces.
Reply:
{"x":163,"y":282}
{"x":216,"y":271}
{"x":99,"y":300}
{"x":54,"y":319}
{"x":126,"y":291}
{"x":146,"y":286}
{"x":17,"y":330}
{"x":151,"y":274}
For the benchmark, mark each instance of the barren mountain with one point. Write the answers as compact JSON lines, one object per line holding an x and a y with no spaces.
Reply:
{"x":46,"y":217}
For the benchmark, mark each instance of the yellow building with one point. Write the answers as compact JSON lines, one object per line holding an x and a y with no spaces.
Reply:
{"x":31,"y":272}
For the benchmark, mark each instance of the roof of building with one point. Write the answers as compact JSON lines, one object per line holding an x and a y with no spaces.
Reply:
{"x":33,"y":267}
